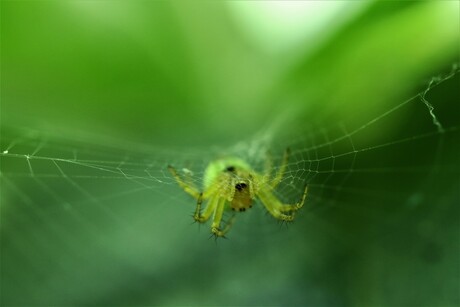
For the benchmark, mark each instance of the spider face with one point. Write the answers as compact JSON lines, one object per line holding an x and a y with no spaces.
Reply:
{"x":242,"y":199}
{"x":231,"y":184}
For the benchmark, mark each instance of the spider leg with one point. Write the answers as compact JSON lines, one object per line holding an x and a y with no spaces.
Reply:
{"x":268,"y":165}
{"x":210,"y":208}
{"x":228,"y":224}
{"x":215,"y":227}
{"x":188,"y":188}
{"x":298,"y":205}
{"x":279,"y":175}
{"x":187,"y":178}
{"x":197,"y":215}
{"x":278,"y":209}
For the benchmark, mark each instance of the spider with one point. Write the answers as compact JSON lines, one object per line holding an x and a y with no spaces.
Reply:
{"x":231,"y":184}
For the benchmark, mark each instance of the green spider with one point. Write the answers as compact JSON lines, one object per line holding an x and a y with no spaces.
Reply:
{"x":231,"y":184}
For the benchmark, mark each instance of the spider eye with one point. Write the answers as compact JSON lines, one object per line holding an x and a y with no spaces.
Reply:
{"x":230,"y":169}
{"x":240,"y":186}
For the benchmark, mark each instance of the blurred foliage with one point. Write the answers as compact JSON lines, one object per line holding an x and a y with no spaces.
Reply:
{"x":151,"y":73}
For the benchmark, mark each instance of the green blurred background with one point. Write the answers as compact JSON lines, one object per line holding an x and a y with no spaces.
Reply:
{"x":97,"y":97}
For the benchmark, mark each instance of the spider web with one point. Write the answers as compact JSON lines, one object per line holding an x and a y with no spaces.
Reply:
{"x":111,"y":207}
